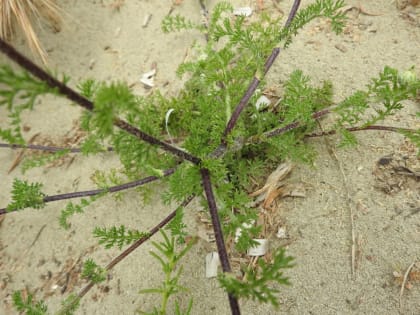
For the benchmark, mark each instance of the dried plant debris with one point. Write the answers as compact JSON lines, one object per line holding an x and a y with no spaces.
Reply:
{"x":397,"y":171}
{"x":410,"y":11}
{"x":23,"y":14}
{"x":65,"y":280}
{"x":275,"y":187}
{"x":402,"y":4}
{"x":204,"y":228}
{"x":71,"y":139}
{"x":413,"y":277}
{"x":116,"y":5}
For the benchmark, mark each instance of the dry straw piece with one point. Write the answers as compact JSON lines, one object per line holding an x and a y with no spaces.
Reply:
{"x":23,"y":14}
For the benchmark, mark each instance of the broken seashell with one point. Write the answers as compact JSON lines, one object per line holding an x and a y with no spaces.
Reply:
{"x":147,"y":78}
{"x":281,"y":233}
{"x":168,"y":114}
{"x":212,"y":262}
{"x":146,"y":20}
{"x":260,"y":249}
{"x":262,"y":103}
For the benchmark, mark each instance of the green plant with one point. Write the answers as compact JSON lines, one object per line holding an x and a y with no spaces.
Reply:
{"x":28,"y":305}
{"x":26,"y":195}
{"x":223,"y":137}
{"x":169,"y":257}
{"x":255,"y":281}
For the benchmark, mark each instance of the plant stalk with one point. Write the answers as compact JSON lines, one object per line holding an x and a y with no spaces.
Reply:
{"x":352,"y":129}
{"x":137,"y":243}
{"x":87,"y":193}
{"x":255,"y":81}
{"x":44,"y":148}
{"x":218,"y":234}
{"x":72,"y":95}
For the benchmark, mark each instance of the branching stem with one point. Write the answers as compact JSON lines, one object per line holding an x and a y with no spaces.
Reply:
{"x":112,"y":189}
{"x":72,"y":95}
{"x":294,"y":125}
{"x":218,"y":233}
{"x":136,"y":244}
{"x":352,"y":129}
{"x":292,"y":13}
{"x":256,"y":81}
{"x":44,"y":148}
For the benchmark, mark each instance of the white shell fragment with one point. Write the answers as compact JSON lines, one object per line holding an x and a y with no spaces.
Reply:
{"x":259,"y":250}
{"x":262,"y":103}
{"x":212,"y":262}
{"x":244,"y":11}
{"x":245,"y":225}
{"x":168,"y":114}
{"x":281,"y":233}
{"x":147,"y":78}
{"x":146,"y":20}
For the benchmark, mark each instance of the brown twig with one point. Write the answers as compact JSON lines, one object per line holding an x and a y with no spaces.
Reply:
{"x":292,"y":13}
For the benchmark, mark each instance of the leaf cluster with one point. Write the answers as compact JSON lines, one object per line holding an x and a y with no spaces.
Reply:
{"x":169,"y":256}
{"x":73,"y":208}
{"x":28,"y":305}
{"x":383,"y":97}
{"x":118,"y":236}
{"x":19,"y":92}
{"x":69,"y":305}
{"x":93,"y":272}
{"x":43,"y":159}
{"x":26,"y":195}
{"x":177,"y":226}
{"x":255,"y":283}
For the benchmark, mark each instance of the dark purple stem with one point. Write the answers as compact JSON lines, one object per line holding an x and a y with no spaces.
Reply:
{"x":254,"y":84}
{"x":137,"y":243}
{"x":235,"y":116}
{"x":294,"y":125}
{"x":292,"y":13}
{"x":218,"y":233}
{"x":72,"y":95}
{"x":44,"y":148}
{"x":352,"y":129}
{"x":248,"y":94}
{"x":95,"y":192}
{"x":152,"y":140}
{"x":36,"y":71}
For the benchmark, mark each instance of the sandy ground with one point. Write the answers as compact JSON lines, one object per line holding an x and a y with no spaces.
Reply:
{"x":100,"y":42}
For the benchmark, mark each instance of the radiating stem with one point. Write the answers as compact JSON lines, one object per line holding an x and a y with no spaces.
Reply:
{"x":218,"y":234}
{"x":72,"y":95}
{"x":94,"y":192}
{"x":254,"y":84}
{"x":43,"y":147}
{"x":292,"y":13}
{"x":353,"y":129}
{"x":137,"y":243}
